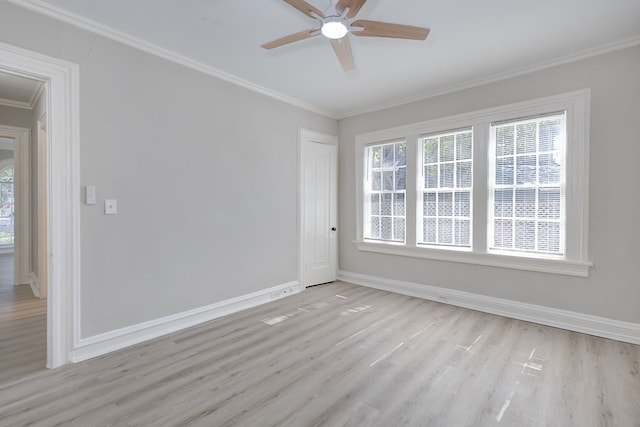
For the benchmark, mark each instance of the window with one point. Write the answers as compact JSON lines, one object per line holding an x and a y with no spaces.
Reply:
{"x":527,"y":185}
{"x":488,"y":187}
{"x":446,"y":193}
{"x":386,"y":187}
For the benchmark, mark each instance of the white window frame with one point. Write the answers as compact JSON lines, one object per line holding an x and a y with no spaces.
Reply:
{"x":574,"y":262}
{"x":394,"y":192}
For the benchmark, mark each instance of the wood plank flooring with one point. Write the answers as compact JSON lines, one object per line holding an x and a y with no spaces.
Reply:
{"x":23,"y":323}
{"x":343,"y":355}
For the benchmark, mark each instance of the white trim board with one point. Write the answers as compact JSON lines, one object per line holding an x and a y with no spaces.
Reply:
{"x":107,"y":342}
{"x":34,"y":284}
{"x":564,"y":319}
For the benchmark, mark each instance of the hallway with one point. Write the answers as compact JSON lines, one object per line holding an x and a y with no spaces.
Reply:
{"x":23,"y":323}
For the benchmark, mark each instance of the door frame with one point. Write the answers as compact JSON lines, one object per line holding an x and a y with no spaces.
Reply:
{"x":61,"y":80}
{"x":305,"y":137}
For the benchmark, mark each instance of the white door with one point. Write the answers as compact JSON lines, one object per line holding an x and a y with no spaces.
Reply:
{"x":318,"y":208}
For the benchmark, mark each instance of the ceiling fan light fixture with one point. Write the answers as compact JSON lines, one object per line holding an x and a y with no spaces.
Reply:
{"x":334,"y":28}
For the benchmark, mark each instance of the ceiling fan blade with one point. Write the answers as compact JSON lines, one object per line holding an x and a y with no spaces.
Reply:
{"x":385,"y":29}
{"x":291,"y":38}
{"x":342,"y":48}
{"x":353,"y":5}
{"x":305,"y":8}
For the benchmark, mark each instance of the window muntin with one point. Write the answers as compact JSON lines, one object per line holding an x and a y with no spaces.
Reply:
{"x":527,"y":185}
{"x":385,"y":196}
{"x":446,"y":194}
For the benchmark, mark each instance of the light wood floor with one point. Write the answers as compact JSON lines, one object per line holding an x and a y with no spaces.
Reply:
{"x":23,"y":323}
{"x":343,"y":355}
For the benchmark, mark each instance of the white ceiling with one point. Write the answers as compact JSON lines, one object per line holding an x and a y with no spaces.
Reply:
{"x":18,"y":92}
{"x":470,"y":41}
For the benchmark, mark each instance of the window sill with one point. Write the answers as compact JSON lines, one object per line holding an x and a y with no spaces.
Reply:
{"x":554,"y":266}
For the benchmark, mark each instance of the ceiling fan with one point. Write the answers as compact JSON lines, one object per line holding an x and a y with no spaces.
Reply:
{"x":334,"y":24}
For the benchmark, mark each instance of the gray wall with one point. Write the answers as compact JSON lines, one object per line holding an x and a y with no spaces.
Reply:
{"x":613,"y":288}
{"x":205,"y":174}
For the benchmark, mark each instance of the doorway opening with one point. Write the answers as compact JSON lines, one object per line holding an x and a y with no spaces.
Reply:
{"x":61,"y":195}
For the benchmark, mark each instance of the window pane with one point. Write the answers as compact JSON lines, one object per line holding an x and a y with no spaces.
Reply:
{"x":464,"y":149}
{"x":445,"y":204}
{"x":504,"y":140}
{"x":463,"y":175}
{"x":504,"y":171}
{"x":431,"y":176}
{"x":398,"y":229}
{"x":401,"y":178}
{"x":526,"y":170}
{"x":375,"y":227}
{"x":431,"y":150}
{"x":549,"y":237}
{"x":525,"y":203}
{"x":549,"y":203}
{"x":401,"y":154}
{"x":376,"y":181}
{"x":503,"y":203}
{"x":446,"y":175}
{"x":429,"y":230}
{"x":376,"y":157}
{"x":550,"y":134}
{"x":462,"y":232}
{"x":398,"y":204}
{"x":503,"y":233}
{"x":526,"y":138}
{"x":387,"y":180}
{"x":386,"y":203}
{"x":386,"y":231}
{"x":429,"y":204}
{"x":375,"y":204}
{"x":550,"y":170}
{"x":445,"y":230}
{"x":463,"y":203}
{"x":525,"y":235}
{"x":446,"y":148}
{"x":387,"y":155}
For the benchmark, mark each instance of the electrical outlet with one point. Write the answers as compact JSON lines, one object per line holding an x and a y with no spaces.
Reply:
{"x":275,"y":294}
{"x":110,"y":206}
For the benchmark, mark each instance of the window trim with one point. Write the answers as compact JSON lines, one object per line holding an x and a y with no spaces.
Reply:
{"x":575,"y":261}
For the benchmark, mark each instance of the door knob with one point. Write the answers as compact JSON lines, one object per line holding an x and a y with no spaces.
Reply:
{"x":333,"y":229}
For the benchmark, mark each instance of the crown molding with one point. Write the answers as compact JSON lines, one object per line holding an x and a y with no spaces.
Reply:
{"x":565,"y":59}
{"x":16,"y":104}
{"x":59,"y":14}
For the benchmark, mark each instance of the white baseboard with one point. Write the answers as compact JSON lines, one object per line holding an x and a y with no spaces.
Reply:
{"x":564,"y":319}
{"x":107,"y":342}
{"x":34,"y":283}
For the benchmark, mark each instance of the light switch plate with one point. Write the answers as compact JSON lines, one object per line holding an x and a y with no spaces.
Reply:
{"x":90,"y":195}
{"x":110,"y":206}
